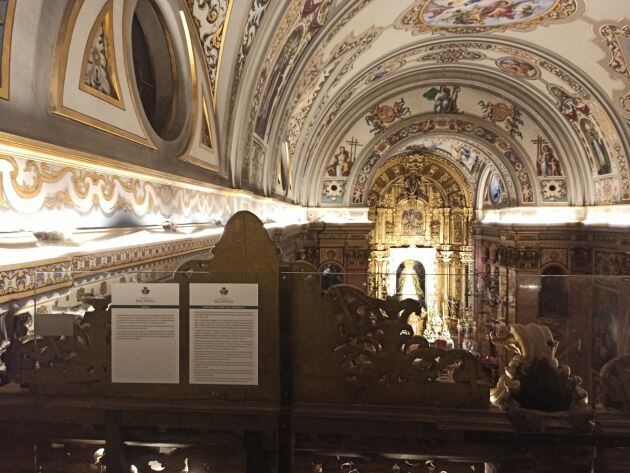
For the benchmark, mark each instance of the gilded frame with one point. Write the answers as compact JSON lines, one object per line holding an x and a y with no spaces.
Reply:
{"x":104,"y":19}
{"x":5,"y":65}
{"x":198,"y":94}
{"x":60,"y":64}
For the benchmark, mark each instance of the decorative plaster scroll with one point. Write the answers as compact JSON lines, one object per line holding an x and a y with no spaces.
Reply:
{"x":452,"y":55}
{"x":254,"y":19}
{"x":484,"y":15}
{"x":211,"y":18}
{"x":33,"y":192}
{"x":99,"y":74}
{"x":613,"y":37}
{"x":7,"y":11}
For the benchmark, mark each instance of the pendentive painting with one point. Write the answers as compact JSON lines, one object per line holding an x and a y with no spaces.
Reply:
{"x":484,"y":13}
{"x":7,"y":7}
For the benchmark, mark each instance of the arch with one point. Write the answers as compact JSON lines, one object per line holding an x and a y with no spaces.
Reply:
{"x":332,"y":273}
{"x":410,"y":280}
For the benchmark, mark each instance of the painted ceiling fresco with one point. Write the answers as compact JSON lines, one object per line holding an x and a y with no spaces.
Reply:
{"x":321,"y":93}
{"x":448,"y":13}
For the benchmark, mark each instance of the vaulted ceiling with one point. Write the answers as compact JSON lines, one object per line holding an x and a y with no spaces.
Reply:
{"x":529,"y":96}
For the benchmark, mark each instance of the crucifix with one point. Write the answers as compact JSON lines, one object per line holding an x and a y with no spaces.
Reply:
{"x":354,"y":144}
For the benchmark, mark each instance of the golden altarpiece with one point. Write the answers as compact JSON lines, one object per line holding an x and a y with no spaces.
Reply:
{"x":421,"y":207}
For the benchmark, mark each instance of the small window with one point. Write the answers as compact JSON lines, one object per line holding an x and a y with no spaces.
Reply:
{"x":155,"y":68}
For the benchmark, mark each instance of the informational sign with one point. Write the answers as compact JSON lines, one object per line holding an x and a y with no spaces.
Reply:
{"x":145,"y":333}
{"x":224,"y":334}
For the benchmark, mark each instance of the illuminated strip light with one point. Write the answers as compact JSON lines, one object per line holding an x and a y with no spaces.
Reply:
{"x":32,"y":255}
{"x":609,"y":215}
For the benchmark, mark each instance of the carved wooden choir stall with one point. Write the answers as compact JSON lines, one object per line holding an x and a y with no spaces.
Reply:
{"x":344,"y":384}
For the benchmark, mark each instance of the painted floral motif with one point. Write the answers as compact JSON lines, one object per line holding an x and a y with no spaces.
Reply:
{"x":554,"y":190}
{"x":333,"y":191}
{"x":452,"y":55}
{"x":518,"y":67}
{"x":211,"y":17}
{"x":447,"y":13}
{"x":606,"y":191}
{"x":509,"y":115}
{"x":381,"y":115}
{"x":313,"y":16}
{"x":380,"y":71}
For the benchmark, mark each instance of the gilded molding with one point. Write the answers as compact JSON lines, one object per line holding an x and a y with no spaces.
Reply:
{"x":83,"y":190}
{"x":60,"y":65}
{"x":6,"y":27}
{"x":200,"y":119}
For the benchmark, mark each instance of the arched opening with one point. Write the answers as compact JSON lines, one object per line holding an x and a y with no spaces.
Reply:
{"x":332,"y":274}
{"x":410,"y":280}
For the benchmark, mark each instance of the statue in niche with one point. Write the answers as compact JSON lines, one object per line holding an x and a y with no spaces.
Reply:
{"x":412,"y":184}
{"x":457,"y":232}
{"x":410,"y":280}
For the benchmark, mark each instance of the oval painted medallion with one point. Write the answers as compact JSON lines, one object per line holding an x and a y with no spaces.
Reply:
{"x":483,"y":13}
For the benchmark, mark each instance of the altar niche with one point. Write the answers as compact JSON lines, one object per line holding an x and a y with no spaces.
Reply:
{"x":421,"y":206}
{"x":410,"y":280}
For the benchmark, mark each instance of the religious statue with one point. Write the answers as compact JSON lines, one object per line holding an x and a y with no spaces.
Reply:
{"x":408,"y":286}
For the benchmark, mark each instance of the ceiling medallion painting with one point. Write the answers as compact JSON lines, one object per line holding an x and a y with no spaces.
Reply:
{"x":518,"y":67}
{"x":474,"y":16}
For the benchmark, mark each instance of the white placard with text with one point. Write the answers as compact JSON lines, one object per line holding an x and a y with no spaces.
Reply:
{"x":145,"y":333}
{"x":224,"y":334}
